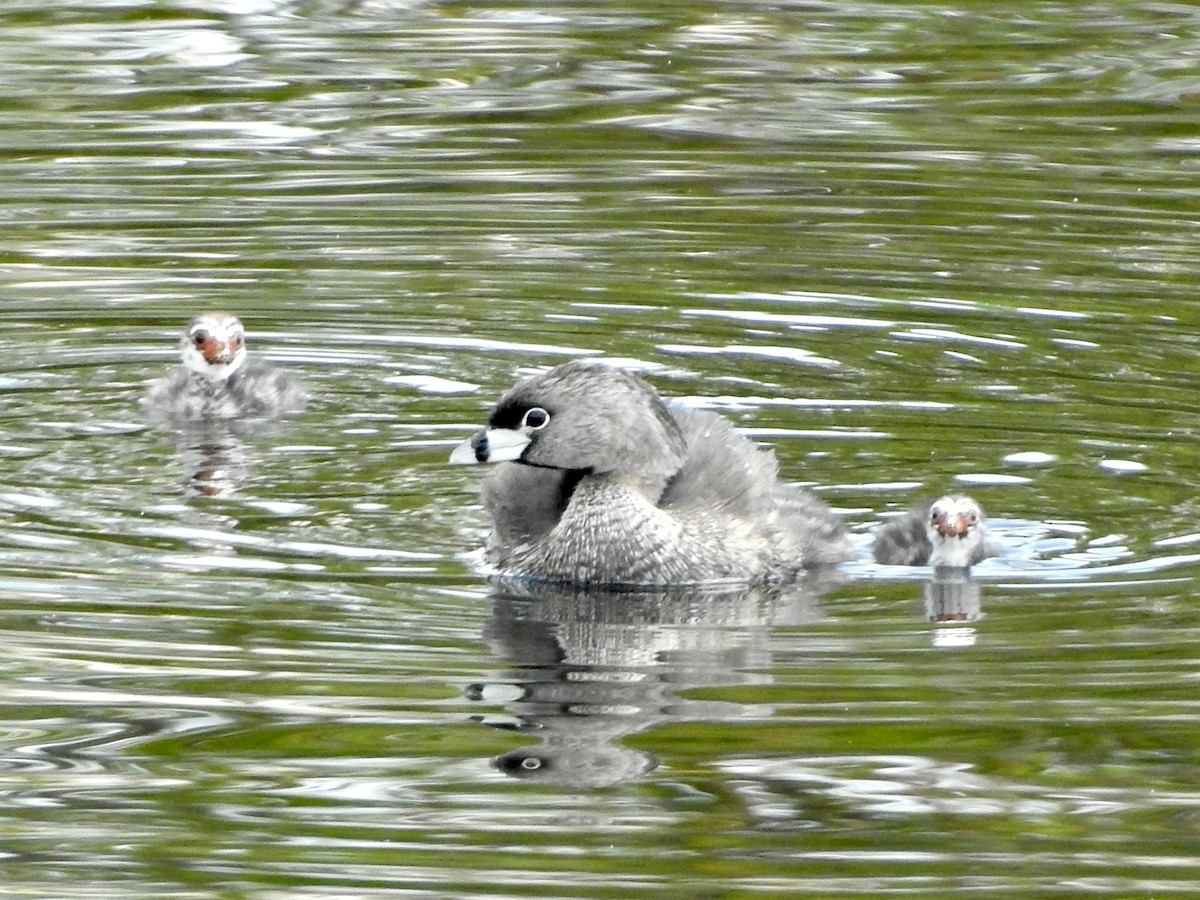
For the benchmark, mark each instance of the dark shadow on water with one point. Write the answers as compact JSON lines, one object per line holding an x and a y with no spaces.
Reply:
{"x":588,"y":668}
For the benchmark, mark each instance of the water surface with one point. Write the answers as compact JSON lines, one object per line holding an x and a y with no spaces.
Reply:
{"x":914,"y":247}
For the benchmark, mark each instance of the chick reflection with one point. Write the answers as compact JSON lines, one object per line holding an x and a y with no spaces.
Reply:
{"x":952,"y":600}
{"x":215,"y":462}
{"x":217,"y":458}
{"x":591,"y":668}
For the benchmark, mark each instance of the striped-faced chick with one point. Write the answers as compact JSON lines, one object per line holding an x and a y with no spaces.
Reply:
{"x":214,"y":345}
{"x":955,"y":528}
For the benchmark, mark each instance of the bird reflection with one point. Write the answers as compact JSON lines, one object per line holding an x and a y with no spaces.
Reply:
{"x":217,"y":457}
{"x":952,"y":600}
{"x":590,"y":668}
{"x":215,"y":462}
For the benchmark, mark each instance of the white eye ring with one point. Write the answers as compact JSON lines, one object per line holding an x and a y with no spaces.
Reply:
{"x":535,"y":419}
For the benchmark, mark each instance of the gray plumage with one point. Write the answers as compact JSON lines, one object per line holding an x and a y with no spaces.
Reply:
{"x":609,"y":485}
{"x":218,"y":381}
{"x":258,"y":390}
{"x":951,"y":532}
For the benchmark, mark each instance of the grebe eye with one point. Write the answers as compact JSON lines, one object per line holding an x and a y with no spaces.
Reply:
{"x":200,"y":338}
{"x":535,"y":419}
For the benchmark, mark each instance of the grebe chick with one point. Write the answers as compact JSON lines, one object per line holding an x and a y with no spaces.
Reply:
{"x":602,"y":483}
{"x":949,"y":533}
{"x":218,"y":381}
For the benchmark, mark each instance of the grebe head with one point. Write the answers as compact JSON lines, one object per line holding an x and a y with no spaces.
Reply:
{"x":214,"y":345}
{"x":956,"y":530}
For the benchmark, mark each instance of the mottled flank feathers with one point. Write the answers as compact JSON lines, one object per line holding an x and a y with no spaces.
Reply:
{"x":256,"y":391}
{"x":902,"y":541}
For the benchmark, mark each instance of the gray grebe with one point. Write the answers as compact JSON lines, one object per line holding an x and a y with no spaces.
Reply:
{"x":601,"y":482}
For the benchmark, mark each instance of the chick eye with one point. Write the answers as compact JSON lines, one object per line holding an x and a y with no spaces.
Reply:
{"x":535,"y":419}
{"x":200,"y":338}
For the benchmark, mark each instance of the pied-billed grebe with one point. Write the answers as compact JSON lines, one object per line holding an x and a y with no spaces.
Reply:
{"x":603,"y":483}
{"x":218,"y":381}
{"x":949,"y":533}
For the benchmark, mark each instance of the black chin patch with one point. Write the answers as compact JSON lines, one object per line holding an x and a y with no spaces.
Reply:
{"x":479,"y":443}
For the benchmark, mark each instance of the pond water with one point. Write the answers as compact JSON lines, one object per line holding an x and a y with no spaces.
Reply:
{"x":914,"y":247}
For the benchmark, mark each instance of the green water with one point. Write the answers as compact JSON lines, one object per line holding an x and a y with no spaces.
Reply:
{"x":906,"y":244}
